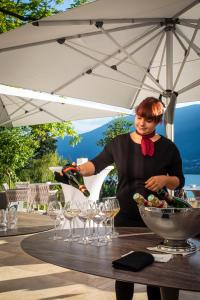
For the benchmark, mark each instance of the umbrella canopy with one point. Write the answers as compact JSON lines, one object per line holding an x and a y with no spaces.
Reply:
{"x":110,"y":51}
{"x":43,"y":108}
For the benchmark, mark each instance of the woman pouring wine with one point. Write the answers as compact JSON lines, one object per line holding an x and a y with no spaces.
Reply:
{"x":146,"y":162}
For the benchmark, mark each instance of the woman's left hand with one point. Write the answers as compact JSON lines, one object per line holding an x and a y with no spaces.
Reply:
{"x":155,"y":183}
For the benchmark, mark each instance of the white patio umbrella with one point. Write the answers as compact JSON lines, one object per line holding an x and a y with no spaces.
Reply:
{"x":110,"y":51}
{"x":40,"y":108}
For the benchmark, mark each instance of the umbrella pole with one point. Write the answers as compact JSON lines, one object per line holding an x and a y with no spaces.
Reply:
{"x":171,"y":97}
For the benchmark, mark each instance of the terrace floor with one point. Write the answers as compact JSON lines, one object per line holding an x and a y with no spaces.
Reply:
{"x":25,"y":277}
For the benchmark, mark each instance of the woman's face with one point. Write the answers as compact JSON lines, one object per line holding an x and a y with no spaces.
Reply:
{"x":143,"y":125}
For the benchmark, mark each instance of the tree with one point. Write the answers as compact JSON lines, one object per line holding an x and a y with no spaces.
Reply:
{"x":46,"y":135}
{"x":79,"y":2}
{"x":118,"y":126}
{"x":14,"y":13}
{"x":16,"y":149}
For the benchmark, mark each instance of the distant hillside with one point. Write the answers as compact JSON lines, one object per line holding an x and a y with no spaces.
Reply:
{"x":187,"y":137}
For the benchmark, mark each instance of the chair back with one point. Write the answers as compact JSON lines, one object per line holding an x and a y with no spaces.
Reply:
{"x":22,"y":185}
{"x":5,"y":186}
{"x":39,"y":193}
{"x":16,"y":195}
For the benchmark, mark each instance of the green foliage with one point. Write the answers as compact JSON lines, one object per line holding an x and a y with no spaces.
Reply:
{"x":17,"y":146}
{"x":38,"y":169}
{"x":78,"y":2}
{"x":46,"y":135}
{"x":118,"y":126}
{"x":14,"y":13}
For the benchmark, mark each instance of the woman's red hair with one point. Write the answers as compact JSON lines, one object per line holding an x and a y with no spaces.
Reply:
{"x":150,"y":109}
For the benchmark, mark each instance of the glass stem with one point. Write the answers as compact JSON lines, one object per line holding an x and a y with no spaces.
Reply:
{"x":84,"y":232}
{"x":70,"y":228}
{"x":113,"y":228}
{"x":98,"y":237}
{"x":55,"y":228}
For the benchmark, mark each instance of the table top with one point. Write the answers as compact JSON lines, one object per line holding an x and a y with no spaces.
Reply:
{"x":29,"y":223}
{"x":181,"y":272}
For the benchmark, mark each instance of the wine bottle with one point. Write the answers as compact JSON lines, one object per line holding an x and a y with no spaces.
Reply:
{"x":156,"y":202}
{"x":173,"y":201}
{"x":70,"y":175}
{"x":139,"y":199}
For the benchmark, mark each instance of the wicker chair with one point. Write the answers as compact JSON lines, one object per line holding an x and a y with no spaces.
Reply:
{"x":16,"y":195}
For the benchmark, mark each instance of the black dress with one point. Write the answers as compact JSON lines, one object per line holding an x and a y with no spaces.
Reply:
{"x":133,"y":170}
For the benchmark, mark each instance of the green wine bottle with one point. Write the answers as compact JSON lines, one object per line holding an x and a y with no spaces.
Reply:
{"x":173,"y":201}
{"x":70,"y":175}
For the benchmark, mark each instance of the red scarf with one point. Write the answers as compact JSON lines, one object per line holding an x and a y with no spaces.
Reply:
{"x":147,"y":146}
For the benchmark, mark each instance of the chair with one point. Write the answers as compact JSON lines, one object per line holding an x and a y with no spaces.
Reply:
{"x":39,"y":194}
{"x":17,"y":195}
{"x":5,"y":186}
{"x":22,"y":184}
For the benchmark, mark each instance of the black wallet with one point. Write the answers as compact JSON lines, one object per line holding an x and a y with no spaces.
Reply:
{"x":135,"y":261}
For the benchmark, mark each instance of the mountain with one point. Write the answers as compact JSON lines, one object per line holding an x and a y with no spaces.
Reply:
{"x":187,"y":137}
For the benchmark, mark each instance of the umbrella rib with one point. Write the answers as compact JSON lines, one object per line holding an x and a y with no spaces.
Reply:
{"x":149,"y":67}
{"x":120,"y":81}
{"x":94,"y":21}
{"x":35,"y":107}
{"x":186,"y":55}
{"x":131,"y":58}
{"x":187,"y":24}
{"x":193,"y":45}
{"x":40,"y":107}
{"x":137,"y":49}
{"x":116,"y":70}
{"x":19,"y":107}
{"x":188,"y":7}
{"x":161,"y":61}
{"x":3,"y":108}
{"x":104,"y":60}
{"x":179,"y":41}
{"x":75,"y":36}
{"x":108,"y":66}
{"x":189,"y":87}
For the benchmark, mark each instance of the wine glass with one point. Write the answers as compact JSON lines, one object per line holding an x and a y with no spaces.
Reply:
{"x":115,"y":209}
{"x":108,"y":220}
{"x":83,"y":216}
{"x":12,"y":217}
{"x":98,"y":217}
{"x":53,"y":211}
{"x":3,"y":220}
{"x":70,"y":212}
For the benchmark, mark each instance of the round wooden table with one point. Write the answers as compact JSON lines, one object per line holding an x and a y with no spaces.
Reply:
{"x":29,"y":223}
{"x":180,"y":273}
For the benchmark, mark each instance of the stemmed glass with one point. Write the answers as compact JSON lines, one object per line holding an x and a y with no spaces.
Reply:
{"x":53,"y":211}
{"x":3,"y":220}
{"x":115,"y":209}
{"x":98,"y":218}
{"x":12,"y":217}
{"x":83,"y":216}
{"x":108,"y":220}
{"x":70,"y":212}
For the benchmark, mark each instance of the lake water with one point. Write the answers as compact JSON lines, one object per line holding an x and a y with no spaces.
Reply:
{"x":192,"y":179}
